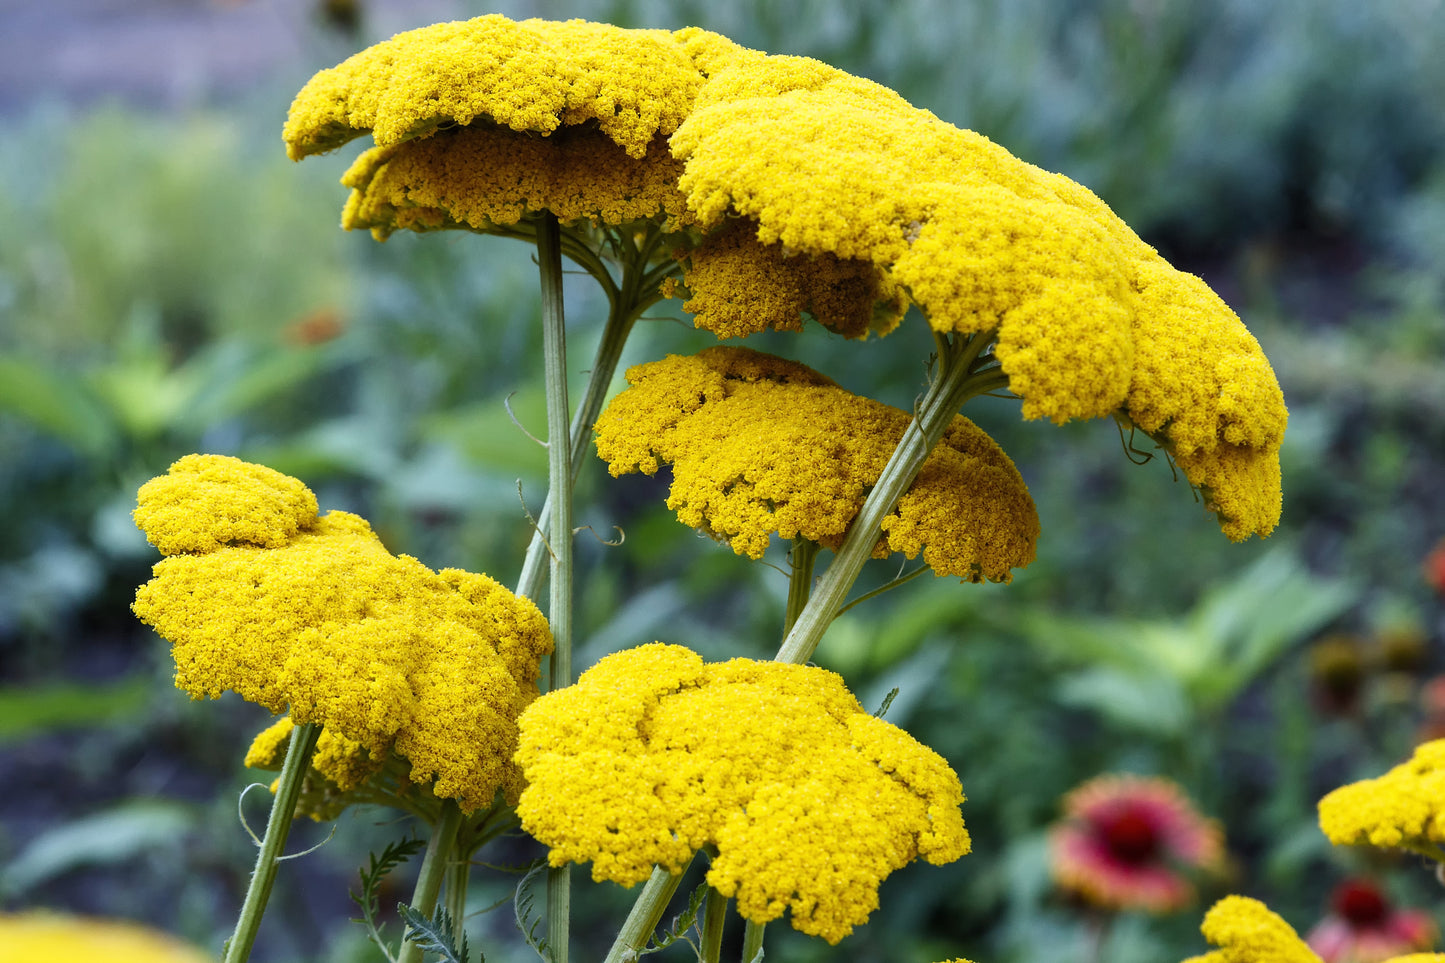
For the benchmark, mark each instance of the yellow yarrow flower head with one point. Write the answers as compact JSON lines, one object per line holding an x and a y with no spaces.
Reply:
{"x":1247,"y":931}
{"x":1090,"y":320}
{"x":760,"y":445}
{"x":1405,"y":807}
{"x":339,"y":768}
{"x":42,"y":936}
{"x":737,"y":286}
{"x":809,"y":801}
{"x":379,"y":649}
{"x":480,"y":123}
{"x":206,"y":501}
{"x":487,"y":178}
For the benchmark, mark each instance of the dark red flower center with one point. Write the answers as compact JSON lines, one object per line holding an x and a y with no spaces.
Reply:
{"x":1131,"y":837}
{"x":1361,"y":904}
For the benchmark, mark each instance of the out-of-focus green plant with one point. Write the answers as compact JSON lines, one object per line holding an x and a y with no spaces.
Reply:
{"x":1171,"y":678}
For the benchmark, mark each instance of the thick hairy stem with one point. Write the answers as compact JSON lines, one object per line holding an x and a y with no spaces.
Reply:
{"x":609,"y":352}
{"x":278,"y":827}
{"x":645,"y":914}
{"x":434,"y":867}
{"x":454,"y":886}
{"x":951,"y":386}
{"x":559,"y":485}
{"x":714,"y":914}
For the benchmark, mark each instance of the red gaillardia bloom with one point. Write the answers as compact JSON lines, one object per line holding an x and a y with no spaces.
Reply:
{"x":1362,"y":927}
{"x":1126,"y":842}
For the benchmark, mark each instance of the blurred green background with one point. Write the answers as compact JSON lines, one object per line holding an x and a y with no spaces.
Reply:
{"x":170,"y":283}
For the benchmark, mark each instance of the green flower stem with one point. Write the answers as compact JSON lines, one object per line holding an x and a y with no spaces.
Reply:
{"x":559,"y":485}
{"x":457,"y":878}
{"x":955,"y":382}
{"x":887,"y":586}
{"x":434,"y":867}
{"x":278,"y":827}
{"x":638,"y":292}
{"x":609,"y":352}
{"x":645,"y":914}
{"x":752,"y":941}
{"x":800,"y":579}
{"x":714,"y":914}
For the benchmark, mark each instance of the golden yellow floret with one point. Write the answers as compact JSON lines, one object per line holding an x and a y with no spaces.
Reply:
{"x":34,"y":936}
{"x":339,"y":767}
{"x":738,"y":286}
{"x":1404,"y":807}
{"x":379,"y":649}
{"x":1090,"y":320}
{"x":206,"y":501}
{"x":1247,"y":931}
{"x":759,"y":445}
{"x":484,"y":177}
{"x":809,"y":801}
{"x":533,"y":75}
{"x":344,"y":762}
{"x":268,"y":748}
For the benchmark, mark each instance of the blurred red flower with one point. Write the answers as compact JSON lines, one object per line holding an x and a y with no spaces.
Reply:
{"x":1362,"y":927}
{"x":1127,"y":842}
{"x":1434,"y":567}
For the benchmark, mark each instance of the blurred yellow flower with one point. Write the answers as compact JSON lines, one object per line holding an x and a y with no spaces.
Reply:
{"x":1404,"y":807}
{"x":42,"y":936}
{"x":809,"y":801}
{"x":1246,"y":931}
{"x":760,"y":445}
{"x":313,"y":613}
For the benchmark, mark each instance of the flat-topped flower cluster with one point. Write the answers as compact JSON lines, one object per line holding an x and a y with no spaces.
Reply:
{"x":312,"y":615}
{"x":790,"y":187}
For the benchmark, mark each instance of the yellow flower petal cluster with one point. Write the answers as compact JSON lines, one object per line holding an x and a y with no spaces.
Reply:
{"x":207,"y":501}
{"x":1247,"y":931}
{"x":343,"y":761}
{"x":1090,"y":320}
{"x":738,"y":286}
{"x":483,"y":176}
{"x":759,"y":445}
{"x":809,"y":801}
{"x":1404,"y":807}
{"x":42,"y":935}
{"x":379,"y":649}
{"x":339,"y":766}
{"x":533,"y":75}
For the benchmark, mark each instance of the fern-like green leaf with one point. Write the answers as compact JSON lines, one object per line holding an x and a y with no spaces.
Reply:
{"x":437,"y":935}
{"x":527,"y":922}
{"x":378,"y":868}
{"x":681,"y":923}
